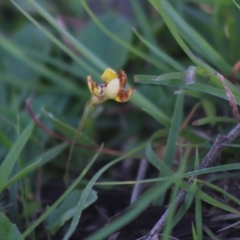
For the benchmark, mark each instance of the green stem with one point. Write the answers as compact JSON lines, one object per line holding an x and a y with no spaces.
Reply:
{"x":87,"y":109}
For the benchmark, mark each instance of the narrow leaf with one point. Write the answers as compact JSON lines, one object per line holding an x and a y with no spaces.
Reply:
{"x":67,"y":208}
{"x":11,"y":158}
{"x":174,"y":130}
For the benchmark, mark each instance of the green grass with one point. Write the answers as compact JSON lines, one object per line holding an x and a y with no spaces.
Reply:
{"x":171,"y":51}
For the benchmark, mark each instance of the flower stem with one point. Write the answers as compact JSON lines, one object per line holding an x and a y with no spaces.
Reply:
{"x":87,"y":109}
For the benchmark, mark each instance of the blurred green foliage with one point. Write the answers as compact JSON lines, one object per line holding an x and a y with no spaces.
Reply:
{"x":48,"y":48}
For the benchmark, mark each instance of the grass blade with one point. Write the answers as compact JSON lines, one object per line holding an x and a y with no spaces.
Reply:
{"x":192,"y":37}
{"x":162,"y":7}
{"x":198,"y":218}
{"x":166,"y":58}
{"x":23,"y":173}
{"x":134,"y":50}
{"x":81,"y":48}
{"x":136,"y":209}
{"x":85,"y":194}
{"x":137,"y":98}
{"x":38,"y":162}
{"x":63,"y":196}
{"x":174,"y":131}
{"x":238,"y":6}
{"x":65,"y":83}
{"x":178,"y":80}
{"x":177,"y":180}
{"x":56,"y":41}
{"x":12,"y":156}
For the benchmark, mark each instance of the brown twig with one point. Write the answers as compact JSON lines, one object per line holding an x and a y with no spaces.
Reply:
{"x":64,"y":139}
{"x":207,"y":162}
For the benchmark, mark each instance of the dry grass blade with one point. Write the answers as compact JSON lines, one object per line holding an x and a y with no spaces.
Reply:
{"x":231,"y":98}
{"x":235,"y":69}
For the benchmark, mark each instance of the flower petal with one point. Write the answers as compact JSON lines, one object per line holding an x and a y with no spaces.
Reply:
{"x":123,"y":78}
{"x":91,"y":84}
{"x":108,"y":75}
{"x":112,"y":89}
{"x":124,"y":95}
{"x":97,"y":90}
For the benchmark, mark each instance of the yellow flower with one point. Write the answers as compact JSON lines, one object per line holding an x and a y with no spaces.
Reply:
{"x":112,"y":88}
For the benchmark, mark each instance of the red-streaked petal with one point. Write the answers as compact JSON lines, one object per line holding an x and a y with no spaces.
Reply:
{"x":124,"y":95}
{"x":123,"y":78}
{"x":92,"y":85}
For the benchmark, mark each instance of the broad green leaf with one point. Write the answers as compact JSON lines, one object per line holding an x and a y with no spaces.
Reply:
{"x":78,"y":45}
{"x":118,"y":40}
{"x":67,"y":208}
{"x":27,"y":37}
{"x":8,"y":230}
{"x":110,"y":52}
